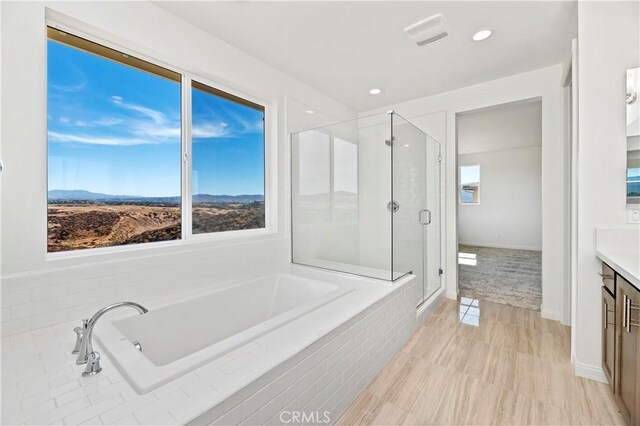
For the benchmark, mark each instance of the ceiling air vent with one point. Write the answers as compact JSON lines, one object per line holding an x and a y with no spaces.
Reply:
{"x":428,"y":30}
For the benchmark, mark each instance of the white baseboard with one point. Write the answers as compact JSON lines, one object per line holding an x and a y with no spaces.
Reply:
{"x":501,"y":246}
{"x":550,"y":314}
{"x":452,"y":294}
{"x":589,"y":371}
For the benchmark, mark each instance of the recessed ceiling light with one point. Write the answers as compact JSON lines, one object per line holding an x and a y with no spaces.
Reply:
{"x":482,"y":35}
{"x":375,"y":91}
{"x":310,"y":111}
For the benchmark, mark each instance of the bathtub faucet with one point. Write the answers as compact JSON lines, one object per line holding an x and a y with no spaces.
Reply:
{"x":84,"y":345}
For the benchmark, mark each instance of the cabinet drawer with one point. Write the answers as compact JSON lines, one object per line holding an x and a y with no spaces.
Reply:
{"x":608,"y":279}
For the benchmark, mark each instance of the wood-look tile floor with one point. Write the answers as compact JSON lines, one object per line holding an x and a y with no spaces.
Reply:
{"x":484,"y":363}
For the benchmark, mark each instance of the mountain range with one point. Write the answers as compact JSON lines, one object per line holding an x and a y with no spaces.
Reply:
{"x":81,"y":195}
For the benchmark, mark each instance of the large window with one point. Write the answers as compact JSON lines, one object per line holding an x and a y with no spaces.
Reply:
{"x":228,"y":162}
{"x":115,"y":151}
{"x":469,"y":185}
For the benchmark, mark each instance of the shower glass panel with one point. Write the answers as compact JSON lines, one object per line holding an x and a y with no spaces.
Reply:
{"x":366,"y":200}
{"x":409,"y":191}
{"x":340,"y":186}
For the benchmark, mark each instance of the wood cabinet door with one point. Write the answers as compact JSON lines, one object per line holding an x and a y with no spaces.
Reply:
{"x":608,"y":336}
{"x":608,"y":278}
{"x":627,"y":354}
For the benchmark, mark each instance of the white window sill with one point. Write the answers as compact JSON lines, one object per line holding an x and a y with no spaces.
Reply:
{"x":191,"y":241}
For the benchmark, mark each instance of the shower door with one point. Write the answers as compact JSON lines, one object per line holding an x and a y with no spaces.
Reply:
{"x":416,"y":197}
{"x":431,"y":227}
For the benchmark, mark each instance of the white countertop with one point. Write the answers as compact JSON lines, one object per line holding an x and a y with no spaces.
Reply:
{"x":620,"y":249}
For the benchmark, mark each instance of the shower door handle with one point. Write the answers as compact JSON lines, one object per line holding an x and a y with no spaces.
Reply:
{"x":420,"y":215}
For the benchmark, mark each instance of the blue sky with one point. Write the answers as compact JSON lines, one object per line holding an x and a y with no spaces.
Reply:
{"x":116,"y":130}
{"x":469,"y":174}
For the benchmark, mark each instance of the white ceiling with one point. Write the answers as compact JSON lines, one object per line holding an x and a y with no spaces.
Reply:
{"x":512,"y":126}
{"x":346,"y":48}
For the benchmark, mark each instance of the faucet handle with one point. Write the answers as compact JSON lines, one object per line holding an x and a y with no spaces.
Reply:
{"x":86,"y":354}
{"x":93,"y":364}
{"x":79,"y":332}
{"x":85,"y":347}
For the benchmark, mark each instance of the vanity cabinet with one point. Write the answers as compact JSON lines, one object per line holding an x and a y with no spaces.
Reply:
{"x":621,"y":341}
{"x":627,"y":365}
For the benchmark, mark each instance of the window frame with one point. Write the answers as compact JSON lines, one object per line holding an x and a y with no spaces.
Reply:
{"x":186,"y":77}
{"x":477,"y":203}
{"x":189,"y":178}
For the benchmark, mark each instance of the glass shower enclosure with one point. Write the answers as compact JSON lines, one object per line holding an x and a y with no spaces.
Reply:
{"x":366,"y":200}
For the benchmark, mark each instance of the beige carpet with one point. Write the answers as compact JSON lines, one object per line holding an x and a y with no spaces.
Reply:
{"x":510,"y":277}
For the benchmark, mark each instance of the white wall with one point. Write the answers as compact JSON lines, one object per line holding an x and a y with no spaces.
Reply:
{"x":0,"y":148}
{"x":543,"y":84}
{"x":506,"y":143}
{"x":512,"y":126}
{"x":608,"y":44}
{"x":509,"y":213}
{"x":37,"y":290}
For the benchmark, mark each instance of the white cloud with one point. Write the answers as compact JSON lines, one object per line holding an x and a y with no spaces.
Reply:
{"x":70,"y":87}
{"x":248,"y":126}
{"x":97,"y":140}
{"x":218,"y":130}
{"x":73,"y":79}
{"x":163,"y":128}
{"x":64,"y":120}
{"x":156,"y":116}
{"x":107,"y":121}
{"x":151,"y":127}
{"x":156,"y":131}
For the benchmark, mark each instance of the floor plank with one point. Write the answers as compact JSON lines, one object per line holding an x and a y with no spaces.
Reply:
{"x":484,"y":363}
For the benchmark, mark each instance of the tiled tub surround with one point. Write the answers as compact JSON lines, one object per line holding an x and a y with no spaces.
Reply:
{"x":319,"y":362}
{"x":67,"y":292}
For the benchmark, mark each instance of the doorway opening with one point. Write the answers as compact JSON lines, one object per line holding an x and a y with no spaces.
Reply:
{"x":500,"y":204}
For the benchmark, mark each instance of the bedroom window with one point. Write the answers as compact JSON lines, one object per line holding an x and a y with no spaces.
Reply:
{"x":469,"y":184}
{"x":633,"y":182}
{"x":117,"y":151}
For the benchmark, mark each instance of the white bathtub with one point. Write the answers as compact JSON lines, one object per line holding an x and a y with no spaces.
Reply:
{"x":183,"y":335}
